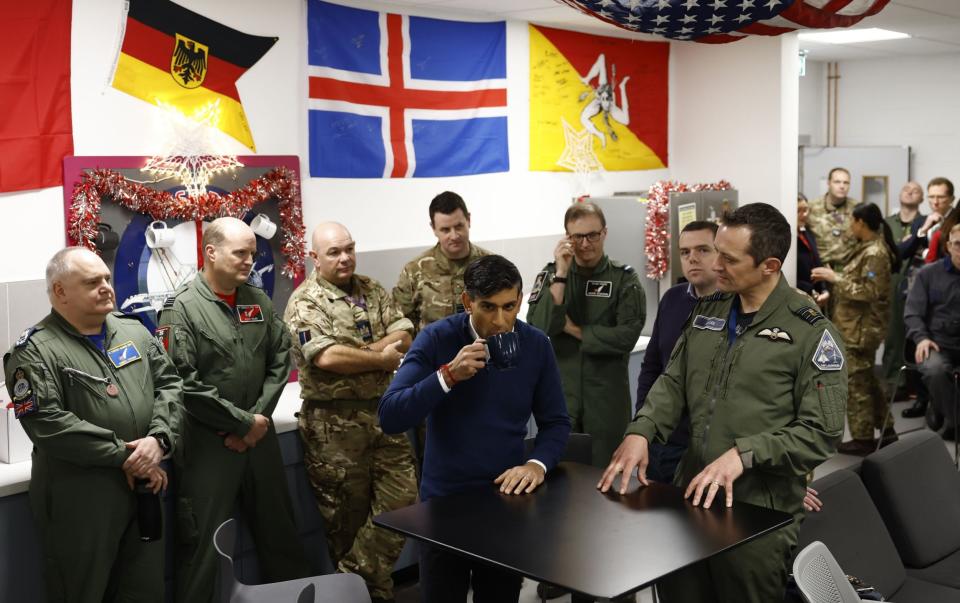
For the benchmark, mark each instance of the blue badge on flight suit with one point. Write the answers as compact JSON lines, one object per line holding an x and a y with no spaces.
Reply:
{"x":123,"y":354}
{"x":709,"y":323}
{"x":828,"y":356}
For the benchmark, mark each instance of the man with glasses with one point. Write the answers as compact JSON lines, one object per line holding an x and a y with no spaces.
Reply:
{"x":593,"y":309}
{"x":933,"y":323}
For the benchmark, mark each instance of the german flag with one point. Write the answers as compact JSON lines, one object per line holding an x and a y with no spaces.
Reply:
{"x":179,"y":58}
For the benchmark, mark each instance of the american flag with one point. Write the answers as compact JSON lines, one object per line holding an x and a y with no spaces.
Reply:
{"x":721,"y":21}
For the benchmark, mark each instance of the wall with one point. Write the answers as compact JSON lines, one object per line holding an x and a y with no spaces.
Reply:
{"x":813,"y":103}
{"x":901,"y":101}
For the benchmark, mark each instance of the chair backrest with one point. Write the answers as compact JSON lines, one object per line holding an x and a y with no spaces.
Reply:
{"x":308,"y":594}
{"x":917,"y":490}
{"x":579,"y":448}
{"x":224,"y":541}
{"x":819,"y":577}
{"x":851,"y":526}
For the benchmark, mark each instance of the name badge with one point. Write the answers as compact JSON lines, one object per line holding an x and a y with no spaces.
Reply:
{"x":363,"y":326}
{"x":710,"y":323}
{"x":123,"y":354}
{"x":599,"y":288}
{"x":251,"y":313}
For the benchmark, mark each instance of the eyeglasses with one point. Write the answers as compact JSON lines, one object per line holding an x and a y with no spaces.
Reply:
{"x":592,"y":237}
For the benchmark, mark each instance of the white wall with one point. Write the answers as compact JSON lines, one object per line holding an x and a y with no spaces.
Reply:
{"x":901,"y":101}
{"x":735,"y":117}
{"x":382,"y":214}
{"x":813,"y":103}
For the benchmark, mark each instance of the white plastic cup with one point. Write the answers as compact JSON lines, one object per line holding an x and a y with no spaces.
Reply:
{"x":263,"y":227}
{"x":159,"y":236}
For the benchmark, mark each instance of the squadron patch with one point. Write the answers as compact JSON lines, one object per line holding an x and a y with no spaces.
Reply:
{"x":808,"y":314}
{"x":123,"y":354}
{"x":710,"y":323}
{"x":251,"y":313}
{"x":775,"y":334}
{"x":24,"y":402}
{"x":828,"y":356}
{"x":599,"y":288}
{"x":537,"y":287}
{"x":162,"y":334}
{"x":24,"y":337}
{"x":304,"y":336}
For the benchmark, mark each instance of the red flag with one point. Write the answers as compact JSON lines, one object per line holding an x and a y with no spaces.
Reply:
{"x":35,"y":127}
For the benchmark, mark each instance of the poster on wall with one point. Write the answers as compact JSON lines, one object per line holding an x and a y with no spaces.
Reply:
{"x":597,"y":101}
{"x":151,"y":253}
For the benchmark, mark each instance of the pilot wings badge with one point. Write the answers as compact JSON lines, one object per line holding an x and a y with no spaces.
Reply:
{"x":188,"y":65}
{"x":775,"y":334}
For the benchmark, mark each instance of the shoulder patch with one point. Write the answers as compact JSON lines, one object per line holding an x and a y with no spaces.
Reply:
{"x":828,"y":356}
{"x":809,"y":315}
{"x":537,"y":287}
{"x":24,"y":401}
{"x":25,"y":337}
{"x":168,"y":303}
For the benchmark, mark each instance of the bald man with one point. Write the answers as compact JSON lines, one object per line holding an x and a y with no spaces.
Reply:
{"x":99,"y":400}
{"x":348,"y":338}
{"x":231,"y":349}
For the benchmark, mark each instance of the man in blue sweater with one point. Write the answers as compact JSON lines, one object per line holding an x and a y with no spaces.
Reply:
{"x":477,"y":416}
{"x":697,"y":254}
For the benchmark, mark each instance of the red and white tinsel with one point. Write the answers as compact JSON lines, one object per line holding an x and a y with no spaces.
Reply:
{"x":657,"y":237}
{"x":280,"y":184}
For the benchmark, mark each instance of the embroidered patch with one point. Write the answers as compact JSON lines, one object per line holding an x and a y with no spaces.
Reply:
{"x":709,"y":323}
{"x":808,"y":314}
{"x":123,"y":354}
{"x":828,"y":356}
{"x":24,"y":402}
{"x":168,"y":302}
{"x":24,"y":337}
{"x":251,"y":313}
{"x":363,"y":326}
{"x":599,"y":288}
{"x":304,"y":336}
{"x":775,"y":334}
{"x":162,"y":334}
{"x":537,"y":287}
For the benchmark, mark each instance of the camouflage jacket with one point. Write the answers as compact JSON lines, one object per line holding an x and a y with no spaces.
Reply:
{"x":831,"y":225}
{"x":862,"y":292}
{"x":320,"y":314}
{"x":430,"y":285}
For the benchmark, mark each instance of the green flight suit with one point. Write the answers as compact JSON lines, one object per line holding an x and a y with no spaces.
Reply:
{"x":609,"y":305}
{"x":234,"y":364}
{"x":79,"y":408}
{"x":777,"y":395}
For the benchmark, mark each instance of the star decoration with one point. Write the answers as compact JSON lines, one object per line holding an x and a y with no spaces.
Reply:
{"x":714,"y":19}
{"x":743,"y":17}
{"x":661,"y":19}
{"x":691,"y":4}
{"x":662,"y":4}
{"x":773,"y":3}
{"x":745,"y":4}
{"x":718,"y":4}
{"x":578,"y":155}
{"x":689,"y":19}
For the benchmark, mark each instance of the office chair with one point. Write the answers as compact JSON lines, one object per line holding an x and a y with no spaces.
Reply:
{"x":819,"y":577}
{"x":330,"y":588}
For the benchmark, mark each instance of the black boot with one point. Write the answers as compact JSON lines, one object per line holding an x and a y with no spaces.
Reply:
{"x":934,"y":418}
{"x":857,"y":447}
{"x":918,"y":409}
{"x":889,"y":437}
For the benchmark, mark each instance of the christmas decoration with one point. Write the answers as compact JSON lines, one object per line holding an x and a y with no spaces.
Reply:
{"x":280,"y":184}
{"x":657,"y":235}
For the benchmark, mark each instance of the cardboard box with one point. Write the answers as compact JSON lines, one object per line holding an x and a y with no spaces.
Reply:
{"x":15,"y":446}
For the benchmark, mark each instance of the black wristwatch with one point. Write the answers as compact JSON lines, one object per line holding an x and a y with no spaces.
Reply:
{"x":559,"y":279}
{"x":163,"y":441}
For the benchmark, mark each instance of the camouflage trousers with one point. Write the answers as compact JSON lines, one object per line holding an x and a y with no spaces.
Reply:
{"x":357,"y":472}
{"x":867,"y":405}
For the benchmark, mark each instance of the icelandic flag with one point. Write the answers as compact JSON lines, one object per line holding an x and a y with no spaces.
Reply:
{"x":396,"y":96}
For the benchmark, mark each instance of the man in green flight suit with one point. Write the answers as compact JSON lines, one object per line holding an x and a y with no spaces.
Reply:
{"x":593,"y":309}
{"x":100,"y":401}
{"x":231,"y":348}
{"x":763,"y":377}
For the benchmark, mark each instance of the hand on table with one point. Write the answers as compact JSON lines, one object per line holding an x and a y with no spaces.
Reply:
{"x":522,"y":479}
{"x":721,"y":473}
{"x":631,"y":454}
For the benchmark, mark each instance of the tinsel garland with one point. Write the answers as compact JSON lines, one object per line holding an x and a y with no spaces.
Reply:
{"x":657,"y":237}
{"x":279,"y":183}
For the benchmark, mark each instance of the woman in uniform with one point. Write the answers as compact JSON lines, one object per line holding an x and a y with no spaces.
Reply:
{"x":862,"y":313}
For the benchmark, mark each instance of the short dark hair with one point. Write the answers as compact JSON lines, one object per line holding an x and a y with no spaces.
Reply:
{"x":941,"y":181}
{"x":447,"y":203}
{"x":582,"y":209}
{"x":770,"y":233}
{"x":490,"y":275}
{"x":837,"y":169}
{"x":701,"y":225}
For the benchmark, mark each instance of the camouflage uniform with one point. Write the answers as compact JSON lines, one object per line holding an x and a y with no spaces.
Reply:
{"x":356,"y":470}
{"x":830,"y":225}
{"x":430,"y":285}
{"x":861,"y":316}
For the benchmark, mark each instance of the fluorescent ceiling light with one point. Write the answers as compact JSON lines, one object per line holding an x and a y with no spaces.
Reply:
{"x":852,"y":36}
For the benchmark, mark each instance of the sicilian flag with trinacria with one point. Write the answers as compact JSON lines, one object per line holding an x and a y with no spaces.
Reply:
{"x":396,"y":96}
{"x":177,"y":58}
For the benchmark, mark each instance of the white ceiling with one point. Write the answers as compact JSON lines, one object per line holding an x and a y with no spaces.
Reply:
{"x":934,"y":25}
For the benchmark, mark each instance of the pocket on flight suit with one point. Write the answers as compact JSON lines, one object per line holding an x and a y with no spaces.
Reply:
{"x":187,"y":531}
{"x":831,"y":405}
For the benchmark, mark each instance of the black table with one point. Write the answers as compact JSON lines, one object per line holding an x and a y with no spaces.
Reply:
{"x":569,"y":534}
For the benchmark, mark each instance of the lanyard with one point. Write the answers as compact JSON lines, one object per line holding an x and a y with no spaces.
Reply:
{"x":732,"y":322}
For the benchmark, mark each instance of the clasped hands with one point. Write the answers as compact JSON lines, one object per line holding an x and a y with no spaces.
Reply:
{"x":239,"y":443}
{"x":144,"y":463}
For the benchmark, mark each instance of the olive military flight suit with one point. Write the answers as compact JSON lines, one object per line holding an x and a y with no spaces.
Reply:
{"x":80,"y":406}
{"x":777,"y":394}
{"x":234,"y":364}
{"x":609,"y":305}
